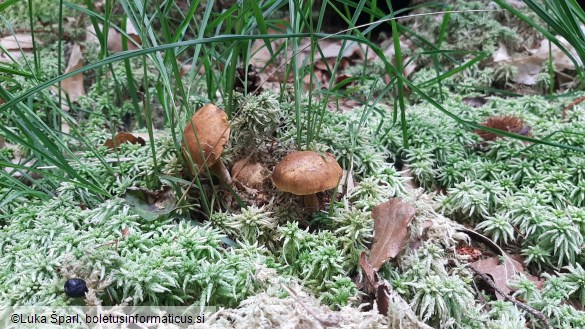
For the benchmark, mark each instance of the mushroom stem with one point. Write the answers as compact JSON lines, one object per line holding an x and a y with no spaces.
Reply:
{"x":219,"y":169}
{"x":311,"y":203}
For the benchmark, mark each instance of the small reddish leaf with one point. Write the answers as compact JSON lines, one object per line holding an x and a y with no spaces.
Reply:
{"x":123,"y":137}
{"x":472,"y":252}
{"x":391,"y":221}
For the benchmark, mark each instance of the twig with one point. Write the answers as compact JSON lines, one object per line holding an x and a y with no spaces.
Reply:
{"x":570,"y":106}
{"x":537,"y":314}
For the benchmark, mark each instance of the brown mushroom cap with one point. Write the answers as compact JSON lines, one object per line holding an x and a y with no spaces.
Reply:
{"x":306,"y":172}
{"x":213,"y":131}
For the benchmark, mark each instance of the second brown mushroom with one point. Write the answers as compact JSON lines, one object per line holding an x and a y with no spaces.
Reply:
{"x":306,"y":173}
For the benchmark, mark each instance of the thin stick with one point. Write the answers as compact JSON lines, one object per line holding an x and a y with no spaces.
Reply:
{"x":570,"y":106}
{"x":537,"y":314}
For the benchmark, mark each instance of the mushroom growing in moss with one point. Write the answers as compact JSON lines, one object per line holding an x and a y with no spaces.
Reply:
{"x":305,"y":173}
{"x":204,"y":139}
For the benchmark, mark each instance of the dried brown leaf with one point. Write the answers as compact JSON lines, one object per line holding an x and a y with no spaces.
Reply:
{"x":15,"y":44}
{"x":528,"y":67}
{"x":391,"y":220}
{"x":501,"y":273}
{"x":114,"y":38}
{"x":73,"y":86}
{"x":17,"y":41}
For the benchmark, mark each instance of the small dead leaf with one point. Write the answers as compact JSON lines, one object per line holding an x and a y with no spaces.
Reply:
{"x":501,"y":54}
{"x":528,"y":67}
{"x":374,"y":286}
{"x":114,"y":38}
{"x":151,"y":205}
{"x":248,"y":80}
{"x":477,"y":101}
{"x":123,"y":137}
{"x":15,"y":45}
{"x":249,"y":174}
{"x":500,"y":273}
{"x":391,"y":220}
{"x":343,"y":80}
{"x":371,"y":274}
{"x":73,"y":86}
{"x":383,"y":298}
{"x":17,"y":41}
{"x":342,"y":104}
{"x":132,"y":32}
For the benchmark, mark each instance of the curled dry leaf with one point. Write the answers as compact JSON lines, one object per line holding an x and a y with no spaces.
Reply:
{"x":391,"y":220}
{"x":501,"y":273}
{"x":123,"y":137}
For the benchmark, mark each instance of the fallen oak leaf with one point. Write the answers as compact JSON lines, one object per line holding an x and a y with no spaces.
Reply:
{"x":121,"y":138}
{"x":391,"y":220}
